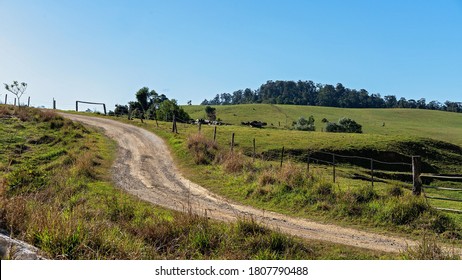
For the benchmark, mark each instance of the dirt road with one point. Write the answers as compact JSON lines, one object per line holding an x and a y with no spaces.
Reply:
{"x":145,"y":168}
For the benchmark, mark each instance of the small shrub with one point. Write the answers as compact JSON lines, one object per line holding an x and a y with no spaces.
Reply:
{"x":304,"y":124}
{"x":344,"y":125}
{"x":203,"y":149}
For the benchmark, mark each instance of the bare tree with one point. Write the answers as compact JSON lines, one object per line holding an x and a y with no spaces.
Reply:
{"x":17,"y":89}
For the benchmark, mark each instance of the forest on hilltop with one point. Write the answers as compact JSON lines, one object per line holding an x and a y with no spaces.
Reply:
{"x":316,"y":94}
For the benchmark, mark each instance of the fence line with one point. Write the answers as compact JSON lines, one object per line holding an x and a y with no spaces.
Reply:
{"x":443,"y":188}
{"x":415,"y":166}
{"x":443,"y":198}
{"x":441,"y":177}
{"x":449,"y":210}
{"x":365,"y":158}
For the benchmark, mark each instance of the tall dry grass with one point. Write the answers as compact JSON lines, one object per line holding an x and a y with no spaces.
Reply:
{"x":203,"y":150}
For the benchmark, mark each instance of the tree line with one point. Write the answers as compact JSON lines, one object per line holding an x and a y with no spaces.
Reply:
{"x":150,"y":105}
{"x":316,"y":94}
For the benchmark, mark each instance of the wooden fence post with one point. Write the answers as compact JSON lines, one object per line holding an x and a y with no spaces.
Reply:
{"x":333,"y":167}
{"x":173,"y":123}
{"x":6,"y":98}
{"x":104,"y":108}
{"x":416,"y":169}
{"x":200,"y":126}
{"x":372,"y":172}
{"x":15,"y":102}
{"x":282,"y":155}
{"x":28,"y":101}
{"x":54,"y":104}
{"x":76,"y":106}
{"x":232,"y":142}
{"x":215,"y":134}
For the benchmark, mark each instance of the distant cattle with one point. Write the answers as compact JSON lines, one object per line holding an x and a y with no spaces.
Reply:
{"x":257,"y":124}
{"x":202,"y":121}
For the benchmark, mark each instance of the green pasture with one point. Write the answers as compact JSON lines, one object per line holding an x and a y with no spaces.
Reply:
{"x":443,"y":126}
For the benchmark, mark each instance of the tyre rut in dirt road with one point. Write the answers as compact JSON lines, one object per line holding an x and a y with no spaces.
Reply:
{"x":145,"y":168}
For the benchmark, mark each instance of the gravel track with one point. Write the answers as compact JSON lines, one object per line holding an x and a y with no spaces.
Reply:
{"x":145,"y":168}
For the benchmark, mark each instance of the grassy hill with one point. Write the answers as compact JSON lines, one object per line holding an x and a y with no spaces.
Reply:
{"x":444,"y":126}
{"x":434,"y":135}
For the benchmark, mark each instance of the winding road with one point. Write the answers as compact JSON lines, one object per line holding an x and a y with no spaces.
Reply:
{"x":145,"y":168}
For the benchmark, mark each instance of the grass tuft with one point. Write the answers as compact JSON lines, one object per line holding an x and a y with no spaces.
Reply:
{"x":203,"y":149}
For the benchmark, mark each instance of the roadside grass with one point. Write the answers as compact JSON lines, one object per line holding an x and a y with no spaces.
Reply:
{"x":388,"y":207}
{"x":56,"y":194}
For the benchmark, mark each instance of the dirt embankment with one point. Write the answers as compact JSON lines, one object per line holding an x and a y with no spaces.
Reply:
{"x":144,"y":167}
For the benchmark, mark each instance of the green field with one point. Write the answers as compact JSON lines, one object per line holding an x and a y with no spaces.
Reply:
{"x":444,"y":126}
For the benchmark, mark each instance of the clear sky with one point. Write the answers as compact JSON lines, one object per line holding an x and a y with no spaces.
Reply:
{"x":104,"y":51}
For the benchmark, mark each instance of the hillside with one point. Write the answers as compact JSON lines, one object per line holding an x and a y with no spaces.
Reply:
{"x":434,"y":135}
{"x":444,"y":126}
{"x":56,"y":193}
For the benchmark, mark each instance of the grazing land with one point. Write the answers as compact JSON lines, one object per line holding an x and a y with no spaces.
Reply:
{"x":387,"y":207}
{"x":57,"y":194}
{"x":438,"y":125}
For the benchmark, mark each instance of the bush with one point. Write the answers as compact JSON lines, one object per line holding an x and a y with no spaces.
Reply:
{"x":344,"y":125}
{"x":350,"y":125}
{"x":305,"y":124}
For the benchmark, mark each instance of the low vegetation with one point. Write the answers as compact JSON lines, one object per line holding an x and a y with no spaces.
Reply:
{"x":291,"y":189}
{"x":55,"y":193}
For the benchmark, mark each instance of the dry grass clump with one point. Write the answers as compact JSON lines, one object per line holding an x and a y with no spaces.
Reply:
{"x":292,"y":175}
{"x":6,"y":111}
{"x":47,"y":115}
{"x":234,"y":162}
{"x":203,"y":149}
{"x":429,"y":249}
{"x":267,"y":177}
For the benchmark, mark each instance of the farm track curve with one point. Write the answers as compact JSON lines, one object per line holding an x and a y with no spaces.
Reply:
{"x":145,"y":168}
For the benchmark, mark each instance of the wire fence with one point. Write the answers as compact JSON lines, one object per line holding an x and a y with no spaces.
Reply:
{"x":407,"y":170}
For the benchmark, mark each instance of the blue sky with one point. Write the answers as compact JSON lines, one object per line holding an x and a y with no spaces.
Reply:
{"x":104,"y":51}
